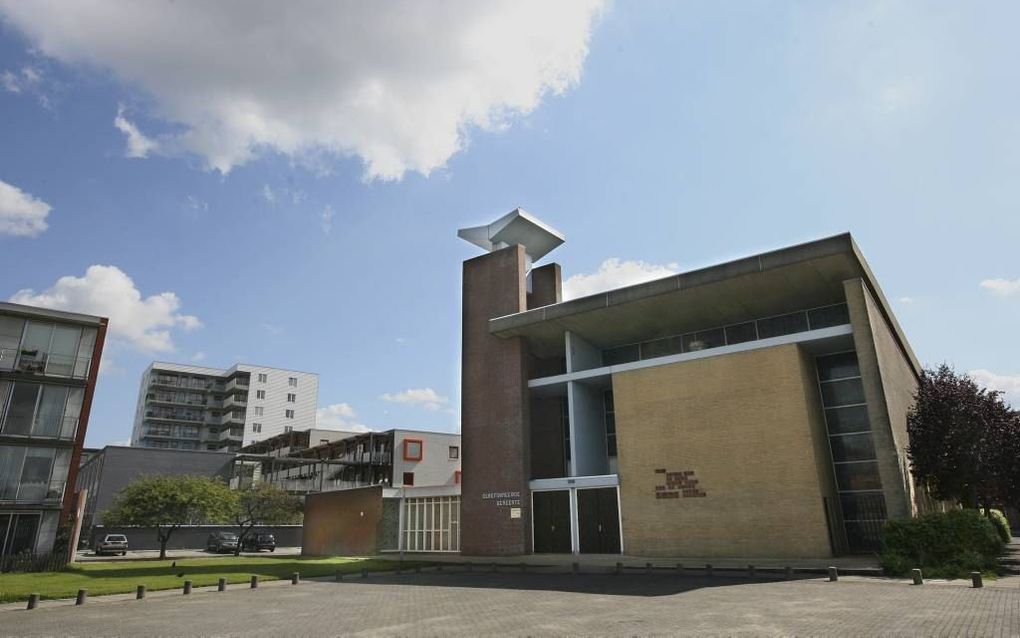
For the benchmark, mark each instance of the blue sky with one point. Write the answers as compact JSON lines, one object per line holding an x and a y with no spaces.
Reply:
{"x":301,"y":209}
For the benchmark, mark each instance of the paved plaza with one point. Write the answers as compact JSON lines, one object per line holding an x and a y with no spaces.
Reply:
{"x":483,"y":603}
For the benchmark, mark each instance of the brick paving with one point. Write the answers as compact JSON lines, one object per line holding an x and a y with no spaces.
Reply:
{"x":482,"y":603}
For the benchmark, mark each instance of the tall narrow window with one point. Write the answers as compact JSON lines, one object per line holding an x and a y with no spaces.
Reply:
{"x":610,"y":414}
{"x":292,"y":382}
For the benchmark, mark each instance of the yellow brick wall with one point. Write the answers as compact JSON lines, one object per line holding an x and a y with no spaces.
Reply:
{"x":749,"y":426}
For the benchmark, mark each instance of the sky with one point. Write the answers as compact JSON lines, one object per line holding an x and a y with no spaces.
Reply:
{"x":281,"y":183}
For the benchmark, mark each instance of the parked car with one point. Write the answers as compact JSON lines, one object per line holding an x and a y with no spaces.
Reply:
{"x":259,"y":542}
{"x":221,"y":542}
{"x":112,"y":544}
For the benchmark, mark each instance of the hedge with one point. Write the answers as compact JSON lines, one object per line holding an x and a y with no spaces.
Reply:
{"x":1001,"y":525}
{"x":942,"y":545}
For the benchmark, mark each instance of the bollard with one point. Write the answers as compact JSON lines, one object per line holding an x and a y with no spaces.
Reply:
{"x":339,"y":576}
{"x":750,"y":571}
{"x":679,"y":567}
{"x":295,"y":578}
{"x":648,"y":568}
{"x":364,"y":573}
{"x":833,"y":574}
{"x":916,"y":575}
{"x":575,"y":568}
{"x":187,"y":587}
{"x":975,"y":580}
{"x":140,"y":592}
{"x":708,"y":569}
{"x":254,"y":582}
{"x":33,"y":600}
{"x":788,"y":572}
{"x":619,"y":568}
{"x":82,"y":595}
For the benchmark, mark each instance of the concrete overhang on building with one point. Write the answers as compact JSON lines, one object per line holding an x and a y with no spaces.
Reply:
{"x":799,"y":277}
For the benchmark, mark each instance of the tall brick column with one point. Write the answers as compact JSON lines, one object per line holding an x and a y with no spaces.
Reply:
{"x":494,"y":410}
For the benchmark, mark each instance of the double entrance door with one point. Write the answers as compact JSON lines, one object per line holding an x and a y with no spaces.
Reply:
{"x":592,"y":512}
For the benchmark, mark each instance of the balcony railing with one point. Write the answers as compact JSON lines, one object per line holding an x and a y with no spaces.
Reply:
{"x":44,"y":363}
{"x":15,"y":491}
{"x":42,"y":428}
{"x":172,"y":416}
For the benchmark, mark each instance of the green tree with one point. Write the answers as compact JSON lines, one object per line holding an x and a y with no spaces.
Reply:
{"x":167,"y":502}
{"x":263,"y":504}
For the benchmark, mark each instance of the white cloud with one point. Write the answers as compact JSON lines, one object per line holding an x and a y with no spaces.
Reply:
{"x":271,"y":329}
{"x":423,"y":397}
{"x":196,"y":204}
{"x":906,"y":300}
{"x":326,"y":218}
{"x":1002,"y":287}
{"x":398,"y":84}
{"x":10,"y":82}
{"x":107,"y":291}
{"x":21,"y":214}
{"x":614,"y":273}
{"x":198,"y":356}
{"x":138,"y":145}
{"x":339,"y":416}
{"x":1009,"y":385}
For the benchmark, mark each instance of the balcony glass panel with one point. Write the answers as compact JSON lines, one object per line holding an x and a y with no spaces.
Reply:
{"x":51,"y":411}
{"x":35,"y":474}
{"x":10,"y":339}
{"x":85,"y":349}
{"x":63,"y":351}
{"x":741,"y":333}
{"x":661,"y":347}
{"x":782,"y":325}
{"x":21,"y":410}
{"x":828,"y":316}
{"x":704,"y":340}
{"x":11,"y":459}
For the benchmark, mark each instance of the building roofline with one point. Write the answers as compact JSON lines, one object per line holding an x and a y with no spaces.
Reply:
{"x":36,"y":311}
{"x":230,"y":370}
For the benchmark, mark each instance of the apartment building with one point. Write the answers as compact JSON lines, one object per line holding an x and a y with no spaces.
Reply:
{"x":49,"y":361}
{"x":197,"y":408}
{"x":753,"y":408}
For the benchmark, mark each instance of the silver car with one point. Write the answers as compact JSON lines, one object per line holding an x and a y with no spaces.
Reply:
{"x":112,"y":544}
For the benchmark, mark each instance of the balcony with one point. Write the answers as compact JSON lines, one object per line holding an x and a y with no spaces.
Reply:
{"x":167,"y":399}
{"x":177,"y":382}
{"x":365,"y":458}
{"x":29,"y":492}
{"x":239,"y":384}
{"x":230,"y":435}
{"x":36,"y":362}
{"x":40,"y":428}
{"x":235,"y":401}
{"x":174,"y":416}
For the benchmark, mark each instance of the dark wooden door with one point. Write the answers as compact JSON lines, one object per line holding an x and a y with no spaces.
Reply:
{"x":598,"y":521}
{"x":551,"y":518}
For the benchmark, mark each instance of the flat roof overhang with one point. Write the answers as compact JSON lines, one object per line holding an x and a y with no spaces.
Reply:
{"x":799,"y":277}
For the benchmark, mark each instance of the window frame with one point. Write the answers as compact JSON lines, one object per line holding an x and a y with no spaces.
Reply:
{"x":405,"y":449}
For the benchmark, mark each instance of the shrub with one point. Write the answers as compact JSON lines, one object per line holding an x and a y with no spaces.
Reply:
{"x":1001,"y":525}
{"x":943,"y":545}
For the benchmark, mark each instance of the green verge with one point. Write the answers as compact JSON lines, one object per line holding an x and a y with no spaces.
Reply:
{"x":120,"y":577}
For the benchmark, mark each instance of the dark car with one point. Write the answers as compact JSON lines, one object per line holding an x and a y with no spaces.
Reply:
{"x":221,"y":542}
{"x":112,"y":544}
{"x":259,"y":542}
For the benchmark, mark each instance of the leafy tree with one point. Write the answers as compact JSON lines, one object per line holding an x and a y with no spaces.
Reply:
{"x":264,"y":504}
{"x":962,"y":440}
{"x":167,"y":502}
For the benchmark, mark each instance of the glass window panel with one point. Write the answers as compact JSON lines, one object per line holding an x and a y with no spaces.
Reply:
{"x":863,"y":507}
{"x":607,"y":399}
{"x":846,"y":392}
{"x":829,"y":316}
{"x":661,"y":347}
{"x":621,"y":354}
{"x":11,"y":459}
{"x":72,"y":413}
{"x":63,"y":350}
{"x":864,"y":535}
{"x":58,"y":478}
{"x":85,"y":349}
{"x":782,"y":325}
{"x":704,"y":340}
{"x":37,"y":338}
{"x":858,"y":476}
{"x":741,"y":333}
{"x":51,"y":411}
{"x":10,"y":338}
{"x":838,"y":366}
{"x":21,"y":411}
{"x":852,"y":447}
{"x":843,"y":420}
{"x":22,"y":535}
{"x":5,"y":523}
{"x":35,"y":474}
{"x":5,"y":392}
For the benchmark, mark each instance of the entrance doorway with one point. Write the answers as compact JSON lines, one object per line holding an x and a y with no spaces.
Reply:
{"x":551,"y":512}
{"x":598,"y":518}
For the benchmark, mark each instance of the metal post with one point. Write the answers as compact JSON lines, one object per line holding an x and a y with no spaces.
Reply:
{"x":254,"y":581}
{"x":339,"y":576}
{"x":295,"y":578}
{"x":975,"y":580}
{"x":788,"y":572}
{"x":221,"y":585}
{"x":33,"y":600}
{"x":916,"y":575}
{"x":648,"y":568}
{"x":708,"y":570}
{"x":619,"y":568}
{"x":82,"y":595}
{"x":575,"y":567}
{"x":679,"y":567}
{"x":364,"y":573}
{"x":750,"y":571}
{"x":140,"y":592}
{"x":833,"y":574}
{"x":187,"y":587}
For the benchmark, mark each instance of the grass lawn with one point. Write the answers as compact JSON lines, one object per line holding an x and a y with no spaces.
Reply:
{"x":118,"y":577}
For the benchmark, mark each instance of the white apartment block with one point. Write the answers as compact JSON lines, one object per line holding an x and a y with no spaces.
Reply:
{"x":196,"y":408}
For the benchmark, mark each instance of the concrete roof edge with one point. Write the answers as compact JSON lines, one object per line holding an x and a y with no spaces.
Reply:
{"x":36,"y":311}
